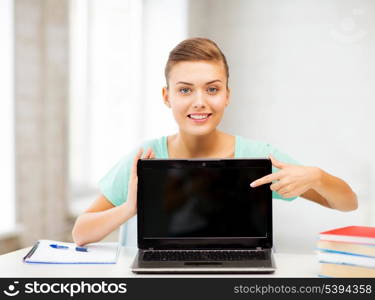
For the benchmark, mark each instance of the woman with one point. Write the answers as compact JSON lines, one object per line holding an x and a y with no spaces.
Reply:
{"x":197,"y":92}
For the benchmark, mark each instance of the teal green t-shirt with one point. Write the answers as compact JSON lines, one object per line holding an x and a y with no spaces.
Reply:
{"x":114,"y":185}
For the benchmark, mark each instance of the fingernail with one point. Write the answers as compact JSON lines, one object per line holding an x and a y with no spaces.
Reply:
{"x":252,"y":184}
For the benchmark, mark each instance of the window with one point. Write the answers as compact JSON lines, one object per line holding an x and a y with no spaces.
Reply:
{"x":118,"y":52}
{"x":7,"y":213}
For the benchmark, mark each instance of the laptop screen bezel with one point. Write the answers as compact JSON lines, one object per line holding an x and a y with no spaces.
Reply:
{"x":203,"y":243}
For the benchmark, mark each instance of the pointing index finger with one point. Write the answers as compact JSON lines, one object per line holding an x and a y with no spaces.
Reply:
{"x":266,"y":179}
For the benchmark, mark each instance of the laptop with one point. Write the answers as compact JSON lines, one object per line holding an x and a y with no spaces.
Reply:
{"x":202,"y":216}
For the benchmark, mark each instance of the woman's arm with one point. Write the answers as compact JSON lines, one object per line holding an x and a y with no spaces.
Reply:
{"x":331,"y":191}
{"x":310,"y":183}
{"x":99,"y":220}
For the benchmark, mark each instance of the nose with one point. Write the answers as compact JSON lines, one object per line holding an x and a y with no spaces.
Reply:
{"x":199,"y":101}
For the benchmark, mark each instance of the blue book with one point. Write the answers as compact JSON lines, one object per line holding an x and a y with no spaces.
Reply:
{"x":345,"y":258}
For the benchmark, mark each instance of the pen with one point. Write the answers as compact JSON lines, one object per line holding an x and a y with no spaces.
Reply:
{"x":80,"y":249}
{"x":58,"y":246}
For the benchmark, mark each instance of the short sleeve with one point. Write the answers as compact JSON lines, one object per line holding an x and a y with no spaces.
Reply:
{"x":114,"y":185}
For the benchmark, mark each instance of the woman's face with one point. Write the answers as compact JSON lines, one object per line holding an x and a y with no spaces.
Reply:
{"x":197,"y":95}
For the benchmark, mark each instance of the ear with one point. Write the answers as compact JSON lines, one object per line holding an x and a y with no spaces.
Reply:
{"x":166,"y":97}
{"x":228,"y":97}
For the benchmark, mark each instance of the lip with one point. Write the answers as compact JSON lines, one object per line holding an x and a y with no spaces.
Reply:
{"x":200,"y":120}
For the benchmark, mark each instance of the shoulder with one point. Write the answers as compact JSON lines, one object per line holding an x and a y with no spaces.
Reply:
{"x":125,"y":163}
{"x":114,"y":183}
{"x":251,"y":147}
{"x":246,"y":147}
{"x":158,"y":145}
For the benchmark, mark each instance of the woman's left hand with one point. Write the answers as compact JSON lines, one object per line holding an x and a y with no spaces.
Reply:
{"x":291,"y":180}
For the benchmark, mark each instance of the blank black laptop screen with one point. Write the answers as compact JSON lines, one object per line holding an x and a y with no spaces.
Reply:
{"x":204,"y":202}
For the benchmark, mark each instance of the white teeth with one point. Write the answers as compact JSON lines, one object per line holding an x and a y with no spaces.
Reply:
{"x":198,"y":117}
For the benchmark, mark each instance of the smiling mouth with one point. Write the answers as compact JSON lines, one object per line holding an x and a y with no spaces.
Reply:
{"x":199,"y":117}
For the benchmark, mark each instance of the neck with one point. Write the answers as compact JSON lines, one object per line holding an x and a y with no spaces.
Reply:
{"x":192,"y":146}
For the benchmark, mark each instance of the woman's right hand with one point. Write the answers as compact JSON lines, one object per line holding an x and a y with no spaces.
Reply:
{"x":133,"y":180}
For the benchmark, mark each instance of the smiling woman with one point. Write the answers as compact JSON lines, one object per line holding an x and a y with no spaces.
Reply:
{"x":197,"y":92}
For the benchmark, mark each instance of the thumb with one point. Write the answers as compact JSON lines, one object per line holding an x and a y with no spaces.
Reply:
{"x":276,"y":163}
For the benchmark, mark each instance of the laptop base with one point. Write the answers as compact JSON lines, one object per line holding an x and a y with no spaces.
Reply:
{"x":203,"y":267}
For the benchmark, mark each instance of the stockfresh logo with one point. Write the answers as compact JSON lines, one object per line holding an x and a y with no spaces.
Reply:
{"x":12,"y":291}
{"x":70,"y":289}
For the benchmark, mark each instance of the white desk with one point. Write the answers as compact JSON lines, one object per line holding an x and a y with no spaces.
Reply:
{"x":11,"y":265}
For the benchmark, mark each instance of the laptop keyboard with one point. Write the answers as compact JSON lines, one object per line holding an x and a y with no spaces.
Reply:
{"x":201,"y":255}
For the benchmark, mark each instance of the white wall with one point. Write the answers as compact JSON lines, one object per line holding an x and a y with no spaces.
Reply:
{"x":302,"y":78}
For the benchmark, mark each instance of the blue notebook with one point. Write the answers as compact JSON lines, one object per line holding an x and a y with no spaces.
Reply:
{"x":55,"y":252}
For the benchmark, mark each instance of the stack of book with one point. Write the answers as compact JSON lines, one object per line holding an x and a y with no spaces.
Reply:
{"x":347,"y":252}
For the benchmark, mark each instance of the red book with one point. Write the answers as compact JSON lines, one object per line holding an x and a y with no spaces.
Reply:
{"x":350,"y":234}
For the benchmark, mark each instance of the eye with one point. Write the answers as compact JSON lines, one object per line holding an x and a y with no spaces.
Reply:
{"x":185,"y":90}
{"x":212,"y":90}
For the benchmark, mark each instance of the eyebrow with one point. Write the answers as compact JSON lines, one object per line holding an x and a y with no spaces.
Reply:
{"x":188,"y":83}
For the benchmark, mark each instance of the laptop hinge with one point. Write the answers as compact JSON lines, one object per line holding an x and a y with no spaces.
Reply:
{"x":257,"y":248}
